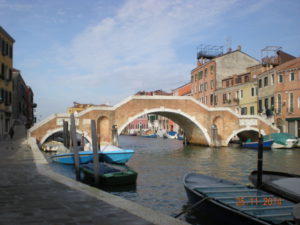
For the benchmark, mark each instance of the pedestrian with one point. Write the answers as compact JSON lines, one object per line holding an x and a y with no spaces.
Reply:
{"x":11,"y":132}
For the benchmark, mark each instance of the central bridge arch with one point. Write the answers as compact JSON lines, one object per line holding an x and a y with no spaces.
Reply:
{"x":192,"y":128}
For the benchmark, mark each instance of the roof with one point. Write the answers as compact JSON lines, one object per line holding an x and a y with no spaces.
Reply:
{"x":6,"y":34}
{"x":294,"y":63}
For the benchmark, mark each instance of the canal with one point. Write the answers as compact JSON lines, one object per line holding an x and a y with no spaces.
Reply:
{"x":162,"y":163}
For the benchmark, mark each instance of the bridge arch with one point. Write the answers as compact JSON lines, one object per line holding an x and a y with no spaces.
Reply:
{"x":60,"y":129}
{"x":177,"y":116}
{"x":236,"y":132}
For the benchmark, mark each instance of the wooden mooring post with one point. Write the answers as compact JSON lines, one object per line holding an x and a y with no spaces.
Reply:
{"x":95,"y":153}
{"x":259,"y":161}
{"x":114,"y":131}
{"x":75,"y":146}
{"x":66,"y":134}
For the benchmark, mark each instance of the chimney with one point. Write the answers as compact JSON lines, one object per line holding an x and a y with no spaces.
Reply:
{"x":239,"y":48}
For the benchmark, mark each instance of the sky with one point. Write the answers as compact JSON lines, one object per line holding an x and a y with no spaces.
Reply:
{"x":102,"y":51}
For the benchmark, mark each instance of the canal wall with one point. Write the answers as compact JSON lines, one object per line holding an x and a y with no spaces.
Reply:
{"x":153,"y":217}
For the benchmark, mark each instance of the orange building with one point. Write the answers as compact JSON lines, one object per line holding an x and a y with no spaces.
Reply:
{"x":287,"y":97}
{"x":184,"y":90}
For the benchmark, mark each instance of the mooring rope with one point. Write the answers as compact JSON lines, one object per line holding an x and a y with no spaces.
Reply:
{"x":194,"y":205}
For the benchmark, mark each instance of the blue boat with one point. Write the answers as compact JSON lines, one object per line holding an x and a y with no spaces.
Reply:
{"x":150,"y":136}
{"x":227,"y":202}
{"x":68,"y":158}
{"x":121,"y":156}
{"x":267,"y":144}
{"x":110,"y":153}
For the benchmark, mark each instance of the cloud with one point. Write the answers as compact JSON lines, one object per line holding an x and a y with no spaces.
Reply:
{"x":137,"y":46}
{"x":14,"y":6}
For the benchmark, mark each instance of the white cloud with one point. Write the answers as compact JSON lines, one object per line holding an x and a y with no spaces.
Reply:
{"x":137,"y":46}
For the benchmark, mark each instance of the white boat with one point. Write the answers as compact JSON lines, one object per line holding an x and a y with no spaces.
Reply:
{"x":283,"y":140}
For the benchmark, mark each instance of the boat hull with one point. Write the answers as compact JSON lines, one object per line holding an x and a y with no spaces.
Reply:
{"x":68,"y":158}
{"x":118,"y":156}
{"x":110,"y":176}
{"x":254,"y":145}
{"x":232,"y":202}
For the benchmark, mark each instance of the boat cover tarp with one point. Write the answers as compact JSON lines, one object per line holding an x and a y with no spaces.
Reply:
{"x":279,"y":138}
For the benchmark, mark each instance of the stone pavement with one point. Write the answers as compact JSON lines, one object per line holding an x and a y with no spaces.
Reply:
{"x":30,"y":197}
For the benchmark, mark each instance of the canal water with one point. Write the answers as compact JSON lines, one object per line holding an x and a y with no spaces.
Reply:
{"x":162,"y":163}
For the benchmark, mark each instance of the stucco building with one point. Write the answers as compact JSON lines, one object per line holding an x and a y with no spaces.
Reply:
{"x":211,"y":69}
{"x":6,"y":87}
{"x":287,"y":96}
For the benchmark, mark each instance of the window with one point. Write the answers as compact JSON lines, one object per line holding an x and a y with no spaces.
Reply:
{"x":224,"y":98}
{"x":212,"y":84}
{"x":279,"y":103}
{"x":252,"y":92}
{"x":272,"y":103}
{"x":251,"y":110}
{"x":292,"y":76}
{"x":298,"y":102}
{"x":211,"y":69}
{"x":216,"y":100}
{"x":227,"y":83}
{"x":291,"y":102}
{"x":201,"y":87}
{"x":241,"y":94}
{"x":272,"y":79}
{"x":247,"y":78}
{"x":280,"y":78}
{"x":244,"y":111}
{"x":211,"y":99}
{"x":265,"y":81}
{"x":259,"y":83}
{"x":200,"y":74}
{"x":238,"y":80}
{"x":266,"y":103}
{"x":205,"y":99}
{"x":259,"y":105}
{"x":205,"y":72}
{"x":205,"y":86}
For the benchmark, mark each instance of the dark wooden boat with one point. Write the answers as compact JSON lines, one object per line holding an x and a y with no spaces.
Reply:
{"x":285,"y":185}
{"x":227,"y":202}
{"x":111,"y":174}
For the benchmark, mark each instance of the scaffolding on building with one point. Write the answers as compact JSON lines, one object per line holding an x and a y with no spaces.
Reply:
{"x":209,"y":51}
{"x":269,"y":55}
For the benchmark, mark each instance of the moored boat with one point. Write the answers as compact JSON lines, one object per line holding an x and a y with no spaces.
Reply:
{"x":285,"y":185}
{"x":267,"y":144}
{"x":68,"y":158}
{"x":282,"y":140}
{"x":111,"y":175}
{"x":172,"y":134}
{"x":114,"y":154}
{"x":227,"y":202}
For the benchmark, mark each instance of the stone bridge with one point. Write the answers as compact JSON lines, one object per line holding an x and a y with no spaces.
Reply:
{"x":196,"y":119}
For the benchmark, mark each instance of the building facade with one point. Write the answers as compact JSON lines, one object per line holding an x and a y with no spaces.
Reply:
{"x":207,"y":77}
{"x":6,"y":84}
{"x":287,"y":97}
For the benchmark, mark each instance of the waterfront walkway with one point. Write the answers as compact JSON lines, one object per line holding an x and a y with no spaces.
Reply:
{"x":32,"y":194}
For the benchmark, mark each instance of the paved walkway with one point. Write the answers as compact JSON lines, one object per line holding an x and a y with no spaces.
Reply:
{"x":28,"y":197}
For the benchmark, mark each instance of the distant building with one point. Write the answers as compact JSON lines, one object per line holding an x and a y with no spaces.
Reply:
{"x":79,"y":107}
{"x":184,"y":90}
{"x":211,"y":69}
{"x":19,"y":101}
{"x":6,"y":86}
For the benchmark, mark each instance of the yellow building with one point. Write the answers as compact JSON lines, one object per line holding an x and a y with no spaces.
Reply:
{"x":6,"y":87}
{"x":79,"y":107}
